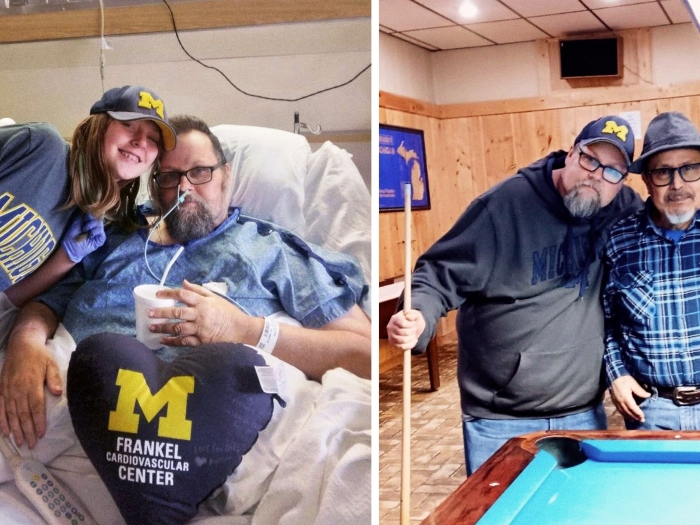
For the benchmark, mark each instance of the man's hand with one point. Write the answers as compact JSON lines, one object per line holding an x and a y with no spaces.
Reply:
{"x":204,"y":318}
{"x":22,"y":404}
{"x":622,"y":392}
{"x":405,"y":329}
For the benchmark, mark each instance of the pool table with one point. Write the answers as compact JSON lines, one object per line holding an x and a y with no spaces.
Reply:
{"x":582,"y":478}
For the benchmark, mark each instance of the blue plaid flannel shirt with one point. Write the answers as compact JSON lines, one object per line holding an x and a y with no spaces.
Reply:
{"x":652,"y":303}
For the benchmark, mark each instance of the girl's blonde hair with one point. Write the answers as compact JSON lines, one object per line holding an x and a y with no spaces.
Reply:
{"x":94,"y":188}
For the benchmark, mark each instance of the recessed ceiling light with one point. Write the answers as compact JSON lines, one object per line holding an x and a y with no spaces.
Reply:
{"x":468,"y":10}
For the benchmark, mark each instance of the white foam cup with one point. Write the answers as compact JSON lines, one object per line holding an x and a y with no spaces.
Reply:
{"x":145,"y":299}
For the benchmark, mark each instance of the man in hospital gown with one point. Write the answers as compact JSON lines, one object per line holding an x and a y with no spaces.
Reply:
{"x":258,"y":271}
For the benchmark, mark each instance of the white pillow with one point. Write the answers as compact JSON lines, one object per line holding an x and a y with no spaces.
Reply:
{"x":337,"y":207}
{"x":268,"y":168}
{"x":319,"y":196}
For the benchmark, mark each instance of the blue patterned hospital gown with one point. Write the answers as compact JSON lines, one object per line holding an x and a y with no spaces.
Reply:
{"x":265,"y":269}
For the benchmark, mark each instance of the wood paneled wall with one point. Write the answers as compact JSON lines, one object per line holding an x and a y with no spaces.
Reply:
{"x":467,"y":155}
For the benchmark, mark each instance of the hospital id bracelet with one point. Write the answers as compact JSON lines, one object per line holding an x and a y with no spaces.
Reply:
{"x":268,"y":338}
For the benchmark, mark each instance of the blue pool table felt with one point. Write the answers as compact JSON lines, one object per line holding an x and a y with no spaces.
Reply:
{"x":616,"y":482}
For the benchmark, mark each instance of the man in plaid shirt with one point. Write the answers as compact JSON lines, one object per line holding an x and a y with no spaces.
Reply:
{"x":652,"y":296}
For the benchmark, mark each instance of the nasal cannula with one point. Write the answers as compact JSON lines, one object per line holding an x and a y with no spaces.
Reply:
{"x":180,"y":199}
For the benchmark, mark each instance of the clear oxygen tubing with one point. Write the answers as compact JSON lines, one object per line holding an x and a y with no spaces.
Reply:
{"x":161,"y":280}
{"x":180,"y":199}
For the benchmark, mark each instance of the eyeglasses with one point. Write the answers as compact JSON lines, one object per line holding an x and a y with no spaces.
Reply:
{"x":664,"y":176}
{"x":197,"y":175}
{"x":589,"y":163}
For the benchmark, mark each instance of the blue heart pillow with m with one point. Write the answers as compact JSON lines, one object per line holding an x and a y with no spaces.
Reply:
{"x":164,"y":435}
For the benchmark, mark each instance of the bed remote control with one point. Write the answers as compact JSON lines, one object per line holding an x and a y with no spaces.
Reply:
{"x":55,"y":504}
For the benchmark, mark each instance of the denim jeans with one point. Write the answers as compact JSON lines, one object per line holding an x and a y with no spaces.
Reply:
{"x":664,"y":414}
{"x":483,"y":437}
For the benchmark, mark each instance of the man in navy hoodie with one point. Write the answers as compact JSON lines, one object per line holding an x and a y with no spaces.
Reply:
{"x":523,"y":266}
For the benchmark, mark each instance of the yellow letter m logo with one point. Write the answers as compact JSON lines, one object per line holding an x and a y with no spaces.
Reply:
{"x":621,"y":131}
{"x":147,"y":101}
{"x":134,"y":389}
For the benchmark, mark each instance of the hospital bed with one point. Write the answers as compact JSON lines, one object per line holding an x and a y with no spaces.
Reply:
{"x":312,"y":463}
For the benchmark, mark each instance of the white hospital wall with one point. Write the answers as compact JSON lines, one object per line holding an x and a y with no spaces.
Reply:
{"x":58,"y":81}
{"x":510,"y":71}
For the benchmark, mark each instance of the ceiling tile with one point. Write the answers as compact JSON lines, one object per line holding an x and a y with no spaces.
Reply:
{"x":487,"y":10}
{"x":454,"y":37}
{"x":600,"y":4}
{"x":544,"y":7}
{"x":677,"y":10}
{"x":404,"y":15}
{"x":568,"y":24}
{"x":502,"y":21}
{"x":407,"y":38}
{"x":508,"y":31}
{"x":632,"y":16}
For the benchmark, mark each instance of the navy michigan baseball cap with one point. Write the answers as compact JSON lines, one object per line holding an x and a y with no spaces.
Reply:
{"x":611,"y":129}
{"x":136,"y":103}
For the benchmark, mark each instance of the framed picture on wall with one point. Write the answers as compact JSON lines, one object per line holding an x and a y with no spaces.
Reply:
{"x":402,"y":159}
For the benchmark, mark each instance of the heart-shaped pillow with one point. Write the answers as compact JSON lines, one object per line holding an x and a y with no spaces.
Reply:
{"x":163,"y":436}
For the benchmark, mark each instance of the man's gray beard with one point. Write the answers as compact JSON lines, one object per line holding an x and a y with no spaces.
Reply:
{"x":675,"y":218}
{"x":580,"y":206}
{"x":187,"y":224}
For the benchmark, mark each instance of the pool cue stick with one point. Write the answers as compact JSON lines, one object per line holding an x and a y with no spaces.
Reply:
{"x":406,"y":435}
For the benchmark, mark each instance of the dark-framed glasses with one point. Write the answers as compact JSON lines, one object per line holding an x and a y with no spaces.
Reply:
{"x":590,"y":164}
{"x":197,"y":175}
{"x":664,"y":176}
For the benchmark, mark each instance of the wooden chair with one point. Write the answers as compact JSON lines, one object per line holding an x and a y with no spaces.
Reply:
{"x":386,"y":310}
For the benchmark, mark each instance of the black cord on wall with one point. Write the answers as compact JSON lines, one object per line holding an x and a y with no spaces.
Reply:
{"x":172,"y":17}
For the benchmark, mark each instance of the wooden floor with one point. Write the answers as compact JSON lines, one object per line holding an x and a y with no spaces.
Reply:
{"x":437,"y":455}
